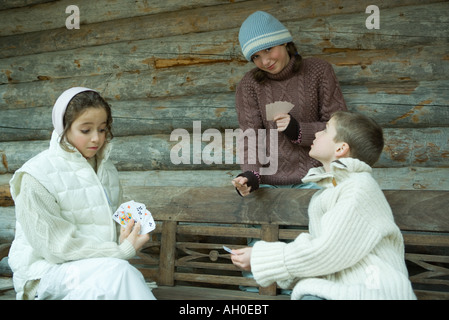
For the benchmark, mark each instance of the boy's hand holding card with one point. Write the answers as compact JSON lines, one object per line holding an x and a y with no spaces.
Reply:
{"x":136,"y":211}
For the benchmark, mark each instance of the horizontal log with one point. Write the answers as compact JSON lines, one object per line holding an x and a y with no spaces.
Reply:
{"x":10,"y":4}
{"x":408,"y":178}
{"x":181,"y":81}
{"x":426,"y":147}
{"x":8,"y":225}
{"x":198,"y":20}
{"x":424,"y":105}
{"x":26,"y":20}
{"x":161,"y":25}
{"x":5,"y":196}
{"x":116,"y":58}
{"x":363,"y":61}
{"x":199,"y":79}
{"x":406,"y":25}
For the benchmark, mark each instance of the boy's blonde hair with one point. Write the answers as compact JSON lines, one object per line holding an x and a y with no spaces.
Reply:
{"x":363,"y":135}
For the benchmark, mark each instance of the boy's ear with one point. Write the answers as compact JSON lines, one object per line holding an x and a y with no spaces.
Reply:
{"x":343,"y":150}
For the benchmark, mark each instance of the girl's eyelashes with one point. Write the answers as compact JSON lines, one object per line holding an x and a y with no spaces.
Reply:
{"x":256,"y":56}
{"x":86,"y":131}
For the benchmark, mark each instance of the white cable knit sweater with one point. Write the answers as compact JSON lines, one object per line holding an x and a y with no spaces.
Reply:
{"x":354,"y":249}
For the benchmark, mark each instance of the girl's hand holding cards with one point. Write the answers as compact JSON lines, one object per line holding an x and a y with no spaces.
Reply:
{"x":136,"y":211}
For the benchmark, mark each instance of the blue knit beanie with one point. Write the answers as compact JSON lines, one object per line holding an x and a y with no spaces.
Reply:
{"x":261,"y":31}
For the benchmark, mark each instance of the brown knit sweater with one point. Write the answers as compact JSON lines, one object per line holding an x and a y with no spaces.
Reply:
{"x":315,"y":93}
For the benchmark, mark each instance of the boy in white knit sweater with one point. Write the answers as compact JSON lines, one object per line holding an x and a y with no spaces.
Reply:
{"x":354,"y":249}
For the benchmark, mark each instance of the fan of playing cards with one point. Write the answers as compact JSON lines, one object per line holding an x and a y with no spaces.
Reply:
{"x":137,"y":211}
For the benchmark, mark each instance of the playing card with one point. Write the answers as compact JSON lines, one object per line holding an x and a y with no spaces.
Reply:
{"x":136,"y":211}
{"x":278,"y":107}
{"x":147,"y":223}
{"x":228,"y":249}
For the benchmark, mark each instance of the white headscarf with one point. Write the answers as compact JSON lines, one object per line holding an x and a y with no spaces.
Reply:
{"x":60,"y":106}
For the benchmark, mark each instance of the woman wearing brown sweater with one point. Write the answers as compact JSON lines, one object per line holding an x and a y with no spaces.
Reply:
{"x":281,"y":75}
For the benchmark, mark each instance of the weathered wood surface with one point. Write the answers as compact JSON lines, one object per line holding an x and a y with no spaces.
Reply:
{"x":193,"y":253}
{"x":427,"y":147}
{"x":165,"y":79}
{"x":198,"y":293}
{"x":92,"y":12}
{"x":363,"y":58}
{"x":200,"y":19}
{"x":408,"y":178}
{"x":390,"y":107}
{"x":413,"y":209}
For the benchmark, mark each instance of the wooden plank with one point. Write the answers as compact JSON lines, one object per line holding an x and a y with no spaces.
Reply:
{"x":413,"y":209}
{"x":233,"y":231}
{"x":417,"y":210}
{"x":431,"y":295}
{"x":269,"y":233}
{"x":407,"y":178}
{"x":180,"y":206}
{"x":167,"y":254}
{"x":207,"y":278}
{"x":200,"y":293}
{"x":426,"y":239}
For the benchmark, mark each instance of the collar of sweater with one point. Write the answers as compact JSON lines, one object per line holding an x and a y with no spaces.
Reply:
{"x":340,"y":170}
{"x":286,"y":73}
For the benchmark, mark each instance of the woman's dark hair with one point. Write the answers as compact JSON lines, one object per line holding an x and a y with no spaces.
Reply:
{"x":79,"y":104}
{"x":260,"y":76}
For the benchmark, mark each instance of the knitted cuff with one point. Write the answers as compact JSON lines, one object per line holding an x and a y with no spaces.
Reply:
{"x":293,"y":130}
{"x":253,"y":180}
{"x":267,"y":263}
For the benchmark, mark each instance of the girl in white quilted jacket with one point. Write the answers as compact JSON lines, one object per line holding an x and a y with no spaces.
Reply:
{"x":354,"y":249}
{"x":66,"y":244}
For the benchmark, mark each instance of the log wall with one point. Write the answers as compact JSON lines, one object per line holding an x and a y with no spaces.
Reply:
{"x":164,"y":64}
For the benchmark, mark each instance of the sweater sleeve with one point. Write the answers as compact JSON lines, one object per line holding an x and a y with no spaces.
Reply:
{"x":330,"y":100}
{"x":346,"y":237}
{"x":52,"y":236}
{"x":250,"y":121}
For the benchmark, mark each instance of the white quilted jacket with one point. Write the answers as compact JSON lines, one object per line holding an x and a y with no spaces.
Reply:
{"x":86,"y":200}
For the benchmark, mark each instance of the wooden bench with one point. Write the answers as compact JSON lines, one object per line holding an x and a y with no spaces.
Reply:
{"x":186,"y":258}
{"x":186,"y":253}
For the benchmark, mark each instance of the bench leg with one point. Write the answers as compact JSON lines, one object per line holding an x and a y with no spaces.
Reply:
{"x":168,"y":254}
{"x":269,"y":233}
